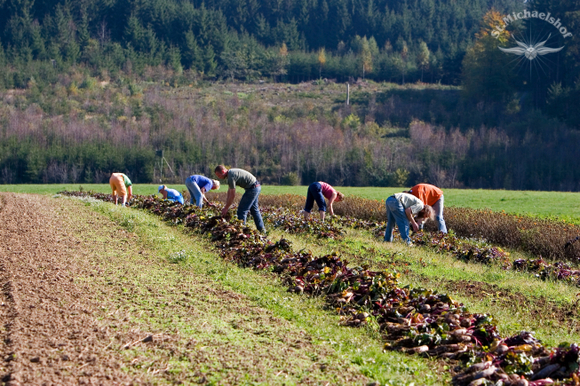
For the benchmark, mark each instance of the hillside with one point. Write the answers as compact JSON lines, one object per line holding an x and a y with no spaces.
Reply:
{"x":80,"y":130}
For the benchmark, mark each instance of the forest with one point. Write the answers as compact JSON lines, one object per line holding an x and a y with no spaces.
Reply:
{"x":89,"y":87}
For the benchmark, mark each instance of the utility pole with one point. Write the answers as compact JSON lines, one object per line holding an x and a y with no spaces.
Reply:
{"x":159,"y":161}
{"x":347,"y":93}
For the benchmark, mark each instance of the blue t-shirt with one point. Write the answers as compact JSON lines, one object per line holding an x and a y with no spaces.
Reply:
{"x":202,"y":182}
{"x":174,"y":195}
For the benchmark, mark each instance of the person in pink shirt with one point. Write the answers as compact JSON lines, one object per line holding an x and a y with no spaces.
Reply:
{"x":317,"y":191}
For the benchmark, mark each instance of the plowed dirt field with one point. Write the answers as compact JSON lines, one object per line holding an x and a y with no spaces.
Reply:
{"x":83,"y":301}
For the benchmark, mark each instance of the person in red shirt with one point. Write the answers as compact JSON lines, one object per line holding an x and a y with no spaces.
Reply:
{"x":431,"y":195}
{"x":317,"y":191}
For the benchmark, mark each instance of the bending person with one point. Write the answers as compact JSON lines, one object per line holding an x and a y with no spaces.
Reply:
{"x":121,"y":186}
{"x":249,"y":200}
{"x":198,"y":186}
{"x":431,"y":195}
{"x":170,"y":194}
{"x":402,"y":208}
{"x":317,"y":191}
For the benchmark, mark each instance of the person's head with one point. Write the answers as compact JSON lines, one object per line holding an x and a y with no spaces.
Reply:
{"x":339,"y":197}
{"x":216,"y":185}
{"x":427,"y":213}
{"x":221,"y":171}
{"x":161,"y":188}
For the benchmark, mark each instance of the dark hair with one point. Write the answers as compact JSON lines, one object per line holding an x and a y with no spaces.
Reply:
{"x":427,"y":213}
{"x":220,"y":168}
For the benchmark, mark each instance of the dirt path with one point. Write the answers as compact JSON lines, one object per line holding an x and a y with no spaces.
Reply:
{"x":74,"y":310}
{"x":49,"y":324}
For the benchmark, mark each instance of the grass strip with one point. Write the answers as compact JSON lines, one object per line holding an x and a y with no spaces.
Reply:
{"x":360,"y":349}
{"x":416,"y":320}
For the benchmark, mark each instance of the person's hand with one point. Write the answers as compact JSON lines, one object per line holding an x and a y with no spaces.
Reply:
{"x":211,"y":205}
{"x":415,"y":226}
{"x":224,"y":212}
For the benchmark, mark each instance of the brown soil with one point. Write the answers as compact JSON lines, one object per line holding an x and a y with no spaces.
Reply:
{"x":50,"y":328}
{"x":72,"y":311}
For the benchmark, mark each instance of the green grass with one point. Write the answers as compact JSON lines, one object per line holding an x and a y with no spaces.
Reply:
{"x":512,"y":297}
{"x":516,"y":300}
{"x":173,"y":263}
{"x":564,"y":205}
{"x":560,"y":205}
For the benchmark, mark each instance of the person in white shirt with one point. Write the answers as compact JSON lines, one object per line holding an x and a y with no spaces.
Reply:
{"x":405,"y":210}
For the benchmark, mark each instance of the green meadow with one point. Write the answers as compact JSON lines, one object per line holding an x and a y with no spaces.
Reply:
{"x":560,"y":205}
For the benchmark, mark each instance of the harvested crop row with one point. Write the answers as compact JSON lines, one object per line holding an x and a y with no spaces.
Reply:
{"x":552,"y":240}
{"x":289,"y":221}
{"x":412,"y":320}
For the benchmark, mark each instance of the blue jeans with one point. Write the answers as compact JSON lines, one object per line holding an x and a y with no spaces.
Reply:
{"x":315,"y":194}
{"x":396,"y":215}
{"x":194,"y":192}
{"x":438,"y":208}
{"x":249,"y":203}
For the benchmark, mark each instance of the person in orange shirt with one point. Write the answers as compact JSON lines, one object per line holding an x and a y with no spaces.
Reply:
{"x":121,"y":186}
{"x":431,"y":195}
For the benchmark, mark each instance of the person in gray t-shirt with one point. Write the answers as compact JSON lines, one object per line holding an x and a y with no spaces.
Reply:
{"x":249,"y":200}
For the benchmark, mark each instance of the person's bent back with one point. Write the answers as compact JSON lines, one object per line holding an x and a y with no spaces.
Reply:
{"x":433,"y":196}
{"x":121,"y":186}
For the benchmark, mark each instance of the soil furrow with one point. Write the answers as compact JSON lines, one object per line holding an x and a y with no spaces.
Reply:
{"x":51,"y":333}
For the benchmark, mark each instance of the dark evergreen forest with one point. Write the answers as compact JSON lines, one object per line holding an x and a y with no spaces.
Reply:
{"x":290,"y":40}
{"x":83,"y":86}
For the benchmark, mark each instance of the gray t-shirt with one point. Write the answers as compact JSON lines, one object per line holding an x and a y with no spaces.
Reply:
{"x":241,"y":178}
{"x":410,"y":201}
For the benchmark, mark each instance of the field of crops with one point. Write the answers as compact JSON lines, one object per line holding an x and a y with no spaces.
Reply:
{"x":560,"y":205}
{"x":475,"y":347}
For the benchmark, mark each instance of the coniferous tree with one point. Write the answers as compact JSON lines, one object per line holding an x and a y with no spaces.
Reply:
{"x":174,"y":59}
{"x":209,"y":61}
{"x":37,"y":42}
{"x":192,"y":54}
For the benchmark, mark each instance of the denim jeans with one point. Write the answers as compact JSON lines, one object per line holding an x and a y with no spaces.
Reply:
{"x":249,"y":203}
{"x":315,"y":194}
{"x":438,"y":208}
{"x":194,"y":192}
{"x":396,"y":215}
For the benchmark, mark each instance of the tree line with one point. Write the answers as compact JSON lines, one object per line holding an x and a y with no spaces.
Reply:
{"x":402,"y":41}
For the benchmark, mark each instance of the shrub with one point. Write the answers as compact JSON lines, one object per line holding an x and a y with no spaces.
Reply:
{"x":291,"y":179}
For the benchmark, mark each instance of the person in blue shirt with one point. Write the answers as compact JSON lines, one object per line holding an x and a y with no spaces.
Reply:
{"x":170,"y":194}
{"x":198,"y":186}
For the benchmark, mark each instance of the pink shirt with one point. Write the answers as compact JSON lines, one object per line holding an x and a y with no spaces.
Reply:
{"x":326,"y":189}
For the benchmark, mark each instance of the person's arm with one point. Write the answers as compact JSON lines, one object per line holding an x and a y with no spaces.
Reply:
{"x":229,"y":201}
{"x":330,"y":201}
{"x":411,"y":219}
{"x":129,"y":192}
{"x":164,"y":194}
{"x":209,"y":203}
{"x":204,"y":198}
